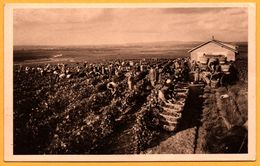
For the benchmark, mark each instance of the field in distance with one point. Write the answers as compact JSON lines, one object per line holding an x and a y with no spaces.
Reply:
{"x":169,"y":50}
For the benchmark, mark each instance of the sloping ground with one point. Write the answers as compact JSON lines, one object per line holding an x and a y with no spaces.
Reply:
{"x":122,"y":141}
{"x":209,"y":112}
{"x":182,"y":142}
{"x":218,"y":128}
{"x":223,"y":117}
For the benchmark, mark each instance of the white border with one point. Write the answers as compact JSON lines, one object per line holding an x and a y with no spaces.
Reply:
{"x":8,"y":89}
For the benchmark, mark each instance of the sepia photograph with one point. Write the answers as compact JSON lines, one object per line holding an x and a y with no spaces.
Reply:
{"x":130,"y":82}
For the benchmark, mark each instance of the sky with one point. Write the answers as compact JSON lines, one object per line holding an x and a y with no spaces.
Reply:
{"x":96,"y":26}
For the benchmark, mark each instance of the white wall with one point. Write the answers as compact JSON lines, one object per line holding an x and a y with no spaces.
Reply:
{"x":213,"y":49}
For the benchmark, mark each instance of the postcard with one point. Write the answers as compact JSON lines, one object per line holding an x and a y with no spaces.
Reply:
{"x":130,"y":82}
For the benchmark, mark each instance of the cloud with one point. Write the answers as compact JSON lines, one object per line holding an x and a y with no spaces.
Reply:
{"x":55,"y":16}
{"x":127,"y":25}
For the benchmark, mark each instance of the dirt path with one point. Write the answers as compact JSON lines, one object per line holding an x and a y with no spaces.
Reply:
{"x":223,"y":116}
{"x":180,"y":143}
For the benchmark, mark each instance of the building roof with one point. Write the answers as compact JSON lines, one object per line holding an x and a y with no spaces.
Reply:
{"x":222,"y":44}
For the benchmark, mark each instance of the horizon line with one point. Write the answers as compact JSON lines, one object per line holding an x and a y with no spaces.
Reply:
{"x":120,"y":44}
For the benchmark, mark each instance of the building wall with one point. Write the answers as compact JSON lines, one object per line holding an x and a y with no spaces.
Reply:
{"x":213,"y":49}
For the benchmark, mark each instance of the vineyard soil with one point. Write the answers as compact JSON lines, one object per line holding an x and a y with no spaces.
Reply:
{"x":81,"y":114}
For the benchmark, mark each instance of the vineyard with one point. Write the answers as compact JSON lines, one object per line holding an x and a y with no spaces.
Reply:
{"x":78,"y":113}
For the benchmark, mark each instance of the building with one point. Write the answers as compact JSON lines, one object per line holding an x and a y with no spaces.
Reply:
{"x":213,"y":48}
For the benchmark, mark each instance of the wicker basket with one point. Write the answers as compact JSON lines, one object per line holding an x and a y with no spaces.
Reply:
{"x":222,"y":60}
{"x":169,"y":128}
{"x":214,"y":83}
{"x":225,"y":67}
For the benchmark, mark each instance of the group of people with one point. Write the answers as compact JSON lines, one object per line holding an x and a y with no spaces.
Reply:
{"x":209,"y":72}
{"x":158,"y":72}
